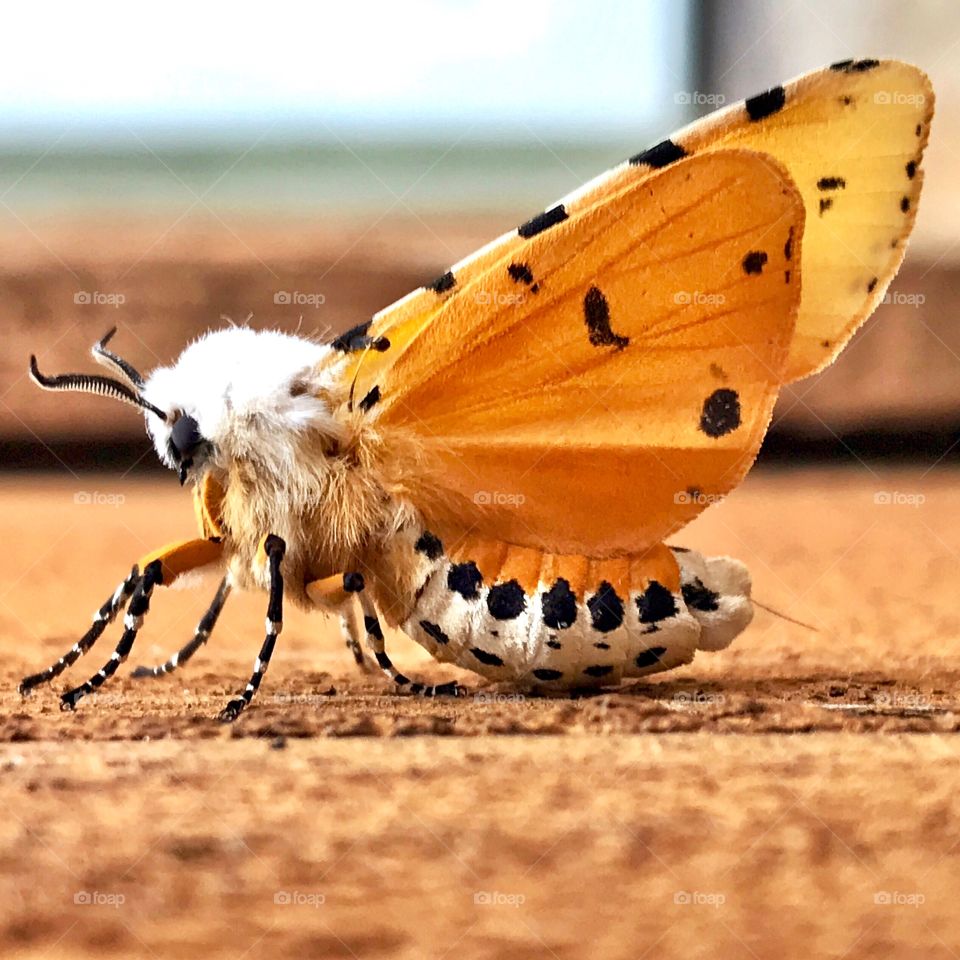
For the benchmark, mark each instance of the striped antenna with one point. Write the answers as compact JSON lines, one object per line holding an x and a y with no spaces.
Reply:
{"x":90,"y":383}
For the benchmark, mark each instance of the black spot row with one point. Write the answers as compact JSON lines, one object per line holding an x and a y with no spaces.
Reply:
{"x":656,"y":603}
{"x":506,"y":601}
{"x":559,"y":606}
{"x":606,"y":608}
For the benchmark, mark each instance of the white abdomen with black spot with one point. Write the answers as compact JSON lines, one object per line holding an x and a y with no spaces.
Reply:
{"x":550,"y":638}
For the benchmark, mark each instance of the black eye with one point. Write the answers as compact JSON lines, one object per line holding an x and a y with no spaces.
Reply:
{"x":185,"y":437}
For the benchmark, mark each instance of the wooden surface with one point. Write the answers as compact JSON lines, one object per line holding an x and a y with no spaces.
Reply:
{"x":765,"y":801}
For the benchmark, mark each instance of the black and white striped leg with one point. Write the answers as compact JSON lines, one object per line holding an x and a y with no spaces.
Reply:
{"x":200,"y":636}
{"x":132,"y":621}
{"x":377,"y":646}
{"x":101,"y":619}
{"x":274,"y":548}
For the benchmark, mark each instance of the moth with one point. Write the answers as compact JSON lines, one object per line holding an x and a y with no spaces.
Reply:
{"x":496,"y":462}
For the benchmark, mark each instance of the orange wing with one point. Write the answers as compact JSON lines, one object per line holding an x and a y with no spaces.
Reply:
{"x":614,"y":371}
{"x":851,"y":137}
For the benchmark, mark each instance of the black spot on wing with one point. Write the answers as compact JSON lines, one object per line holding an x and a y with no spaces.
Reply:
{"x":911,"y":169}
{"x":432,"y":630}
{"x":542,"y":673}
{"x":429,"y":545}
{"x":559,"y":606}
{"x":554,"y":644}
{"x":353,"y":339}
{"x":484,"y":656}
{"x":651,"y":657}
{"x":465,"y":579}
{"x":754,"y":262}
{"x":543,"y":221}
{"x":600,"y":645}
{"x":765,"y":104}
{"x":370,"y":399}
{"x":520,"y":273}
{"x":661,"y":155}
{"x":871,"y":286}
{"x":656,"y":603}
{"x":831,"y":183}
{"x":443,"y":283}
{"x":596,"y":313}
{"x":700,"y":597}
{"x":904,"y":204}
{"x":854,"y":66}
{"x":825,"y":204}
{"x":506,"y":601}
{"x":721,"y":413}
{"x":788,"y":246}
{"x":606,"y":608}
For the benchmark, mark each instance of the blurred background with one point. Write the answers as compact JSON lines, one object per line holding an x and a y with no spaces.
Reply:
{"x":169,"y":171}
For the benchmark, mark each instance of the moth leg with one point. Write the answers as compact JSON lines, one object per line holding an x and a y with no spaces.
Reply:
{"x":162,"y":566}
{"x":273,"y":547}
{"x":351,"y":635}
{"x":101,"y":619}
{"x":336,"y":594}
{"x":375,"y":641}
{"x":132,"y":621}
{"x":200,"y":636}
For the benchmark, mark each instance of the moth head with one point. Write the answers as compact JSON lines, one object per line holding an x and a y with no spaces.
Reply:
{"x":232,"y":394}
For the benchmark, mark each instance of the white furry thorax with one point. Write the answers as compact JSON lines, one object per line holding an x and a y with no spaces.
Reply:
{"x":251,"y":392}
